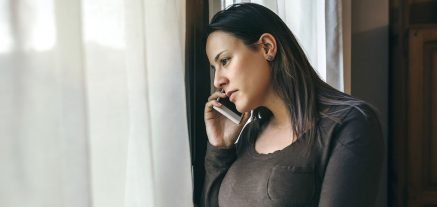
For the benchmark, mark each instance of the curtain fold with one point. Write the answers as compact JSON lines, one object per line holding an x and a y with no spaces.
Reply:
{"x":338,"y":39}
{"x":334,"y":44}
{"x":43,"y":142}
{"x":93,"y":104}
{"x":307,"y":22}
{"x":165,"y":42}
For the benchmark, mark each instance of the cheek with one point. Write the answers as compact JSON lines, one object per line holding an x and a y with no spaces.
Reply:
{"x":255,"y":91}
{"x":253,"y":74}
{"x":243,"y":104}
{"x":260,"y":79}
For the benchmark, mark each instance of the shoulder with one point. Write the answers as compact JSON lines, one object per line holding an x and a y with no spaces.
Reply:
{"x":361,"y":119}
{"x":352,"y":126}
{"x":343,"y":114}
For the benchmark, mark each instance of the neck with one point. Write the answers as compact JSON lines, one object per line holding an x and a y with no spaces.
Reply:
{"x":281,"y":115}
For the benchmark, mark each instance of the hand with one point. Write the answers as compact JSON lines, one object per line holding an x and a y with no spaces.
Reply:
{"x":221,"y":131}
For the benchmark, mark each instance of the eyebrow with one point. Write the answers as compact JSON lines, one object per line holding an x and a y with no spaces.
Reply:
{"x":216,"y":58}
{"x":218,"y":55}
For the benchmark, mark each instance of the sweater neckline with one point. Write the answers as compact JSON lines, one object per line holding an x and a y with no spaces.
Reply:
{"x":271,"y":155}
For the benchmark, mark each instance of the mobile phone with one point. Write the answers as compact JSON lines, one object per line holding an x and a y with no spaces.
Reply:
{"x":229,"y":110}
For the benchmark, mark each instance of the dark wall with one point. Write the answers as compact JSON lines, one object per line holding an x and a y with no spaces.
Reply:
{"x":369,"y":63}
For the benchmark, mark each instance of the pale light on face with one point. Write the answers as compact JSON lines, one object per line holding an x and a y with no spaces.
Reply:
{"x":242,"y":72}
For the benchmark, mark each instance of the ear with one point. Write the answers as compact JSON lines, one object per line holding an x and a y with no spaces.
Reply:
{"x":268,"y":42}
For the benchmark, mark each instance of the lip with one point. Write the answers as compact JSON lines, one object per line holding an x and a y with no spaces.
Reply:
{"x":230,"y":95}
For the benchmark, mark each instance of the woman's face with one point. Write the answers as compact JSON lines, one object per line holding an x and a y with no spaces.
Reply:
{"x":242,"y":72}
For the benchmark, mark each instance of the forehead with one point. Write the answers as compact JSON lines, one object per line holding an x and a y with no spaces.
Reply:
{"x":219,"y":41}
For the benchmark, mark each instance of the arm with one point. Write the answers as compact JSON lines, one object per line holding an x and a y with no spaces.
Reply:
{"x":217,"y":163}
{"x":221,"y":132}
{"x":354,"y":168}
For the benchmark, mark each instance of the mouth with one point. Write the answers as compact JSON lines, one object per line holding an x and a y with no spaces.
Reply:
{"x":230,"y":93}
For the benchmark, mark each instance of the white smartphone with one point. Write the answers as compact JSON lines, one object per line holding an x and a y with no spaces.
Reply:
{"x":229,"y":110}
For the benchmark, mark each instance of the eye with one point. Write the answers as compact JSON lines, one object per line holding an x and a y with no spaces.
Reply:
{"x":225,"y":61}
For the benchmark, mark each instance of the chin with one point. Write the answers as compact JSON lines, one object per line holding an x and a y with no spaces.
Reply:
{"x":242,"y":107}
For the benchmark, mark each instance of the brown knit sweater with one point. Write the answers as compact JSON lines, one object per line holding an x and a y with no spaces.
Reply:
{"x":342,"y":169}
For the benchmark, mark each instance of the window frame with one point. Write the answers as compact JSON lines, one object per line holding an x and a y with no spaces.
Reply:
{"x":197,"y":82}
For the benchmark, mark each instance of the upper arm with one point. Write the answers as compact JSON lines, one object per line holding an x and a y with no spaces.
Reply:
{"x":353,"y":170}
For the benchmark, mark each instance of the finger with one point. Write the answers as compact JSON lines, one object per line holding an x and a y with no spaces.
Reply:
{"x":210,"y":113}
{"x":215,"y":95}
{"x":210,"y":104}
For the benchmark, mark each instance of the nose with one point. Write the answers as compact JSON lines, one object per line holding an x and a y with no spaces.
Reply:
{"x":219,"y":79}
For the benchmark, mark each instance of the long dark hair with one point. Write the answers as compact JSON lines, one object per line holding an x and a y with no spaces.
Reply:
{"x":293,"y":77}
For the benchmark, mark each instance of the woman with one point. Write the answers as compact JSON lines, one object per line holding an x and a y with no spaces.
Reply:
{"x":307,"y":144}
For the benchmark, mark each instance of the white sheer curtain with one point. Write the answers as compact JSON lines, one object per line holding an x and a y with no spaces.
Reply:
{"x":321,"y":27}
{"x":92,"y":109}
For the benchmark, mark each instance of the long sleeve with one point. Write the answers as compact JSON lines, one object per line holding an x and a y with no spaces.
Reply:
{"x":217,"y":163}
{"x":354,"y":168}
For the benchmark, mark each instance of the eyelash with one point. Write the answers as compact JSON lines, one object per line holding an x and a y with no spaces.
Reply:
{"x":224,"y":61}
